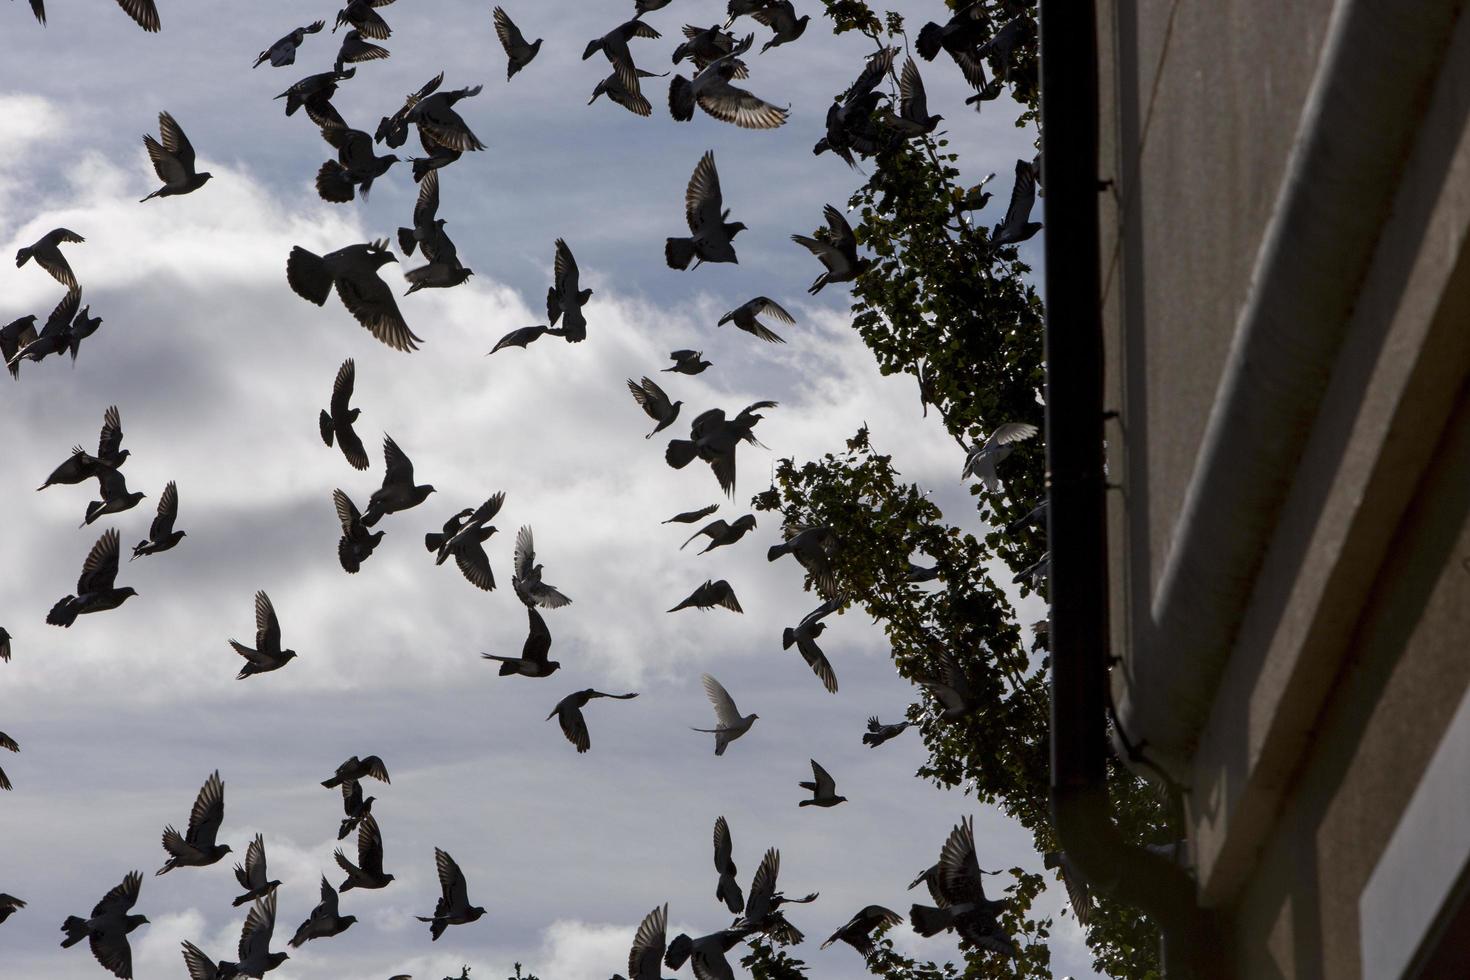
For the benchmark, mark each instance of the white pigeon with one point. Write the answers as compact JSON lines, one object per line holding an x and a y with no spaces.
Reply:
{"x":730,"y":724}
{"x":982,"y":459}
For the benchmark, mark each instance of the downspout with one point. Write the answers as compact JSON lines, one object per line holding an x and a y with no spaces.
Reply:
{"x":1077,"y":529}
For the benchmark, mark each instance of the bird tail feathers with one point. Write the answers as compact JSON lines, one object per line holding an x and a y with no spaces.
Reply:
{"x":681,"y":453}
{"x":75,"y":928}
{"x":307,"y":273}
{"x":406,"y":241}
{"x":679,"y":252}
{"x":681,"y":98}
{"x":324,"y":423}
{"x":333,"y":183}
{"x":929,"y":41}
{"x":929,"y":921}
{"x":64,"y":613}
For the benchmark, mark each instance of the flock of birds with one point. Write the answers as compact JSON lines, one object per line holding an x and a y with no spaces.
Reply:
{"x":860,"y":123}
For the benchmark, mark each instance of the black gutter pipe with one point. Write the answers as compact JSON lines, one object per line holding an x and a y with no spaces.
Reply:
{"x":1077,"y":514}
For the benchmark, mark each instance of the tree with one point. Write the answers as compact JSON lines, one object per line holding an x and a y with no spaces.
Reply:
{"x":958,"y":313}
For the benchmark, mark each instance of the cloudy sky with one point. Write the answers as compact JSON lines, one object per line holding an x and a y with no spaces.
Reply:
{"x":219,"y":371}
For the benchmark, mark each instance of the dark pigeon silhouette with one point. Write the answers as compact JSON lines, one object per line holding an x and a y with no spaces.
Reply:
{"x":453,"y":907}
{"x":763,"y":907}
{"x":804,"y":635}
{"x":730,"y":724}
{"x":744,"y":318}
{"x":878,"y":733}
{"x":356,"y":544}
{"x":961,"y":37}
{"x":283,"y":52}
{"x":728,"y":888}
{"x":780,"y":17}
{"x":527,"y":577}
{"x":687,"y":362}
{"x":565,"y":298}
{"x":709,"y":595}
{"x":143,"y":12}
{"x":115,"y":496}
{"x":161,"y":535}
{"x":96,"y":591}
{"x":252,"y":874}
{"x":521,"y":337}
{"x":836,"y":247}
{"x":957,"y":886}
{"x":360,"y":14}
{"x":518,"y":53}
{"x":713,"y":438}
{"x":256,"y":959}
{"x":5,"y":639}
{"x":356,"y":167}
{"x":690,"y":516}
{"x":533,"y":660}
{"x":655,"y":404}
{"x":267,"y":654}
{"x":47,"y":253}
{"x":354,"y":805}
{"x":8,"y":905}
{"x":323,"y":922}
{"x":355,"y":768}
{"x":10,"y":745}
{"x":568,"y":712}
{"x":814,"y":547}
{"x":721,"y":533}
{"x":314,"y":94}
{"x":83,"y":325}
{"x":356,"y":49}
{"x":1017,"y":226}
{"x":647,"y":953}
{"x":710,"y":89}
{"x":353,"y":271}
{"x":336,"y":423}
{"x":368,"y":872}
{"x":705,"y":212}
{"x":823,"y":788}
{"x":398,"y":491}
{"x":197,"y":847}
{"x":80,"y":467}
{"x":108,"y":927}
{"x":464,"y":536}
{"x":173,"y":160}
{"x":53,"y":337}
{"x":858,"y":931}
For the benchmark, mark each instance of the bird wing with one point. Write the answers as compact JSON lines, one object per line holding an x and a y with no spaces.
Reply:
{"x":764,"y":304}
{"x":763,"y":886}
{"x":959,"y":877}
{"x":370,"y":846}
{"x":267,"y":627}
{"x":525,"y":552}
{"x":648,"y":945}
{"x":510,"y":35}
{"x":121,"y":898}
{"x":63,"y":314}
{"x":826,"y":785}
{"x":111,"y":949}
{"x":252,"y":875}
{"x":703,"y":202}
{"x":399,"y":468}
{"x":175,"y":142}
{"x":328,"y":906}
{"x":573,"y":725}
{"x":168,"y":512}
{"x":656,"y":396}
{"x":726,"y":714}
{"x":538,"y":641}
{"x":427,"y":205}
{"x":566,"y":272}
{"x":198,"y":963}
{"x":347,"y":512}
{"x":714,"y":529}
{"x":100,"y":569}
{"x":829,"y":254}
{"x":818,"y":662}
{"x":351,"y":796}
{"x":451,"y":880}
{"x":373,"y":766}
{"x":208,"y":813}
{"x":723,"y":848}
{"x":474,"y":564}
{"x":255,"y":936}
{"x":1010,"y":432}
{"x":342,"y":389}
{"x":112,"y":485}
{"x":109,"y":443}
{"x":874,"y":69}
{"x":732,"y":104}
{"x":369,"y":299}
{"x":915,"y":105}
{"x":842,"y":237}
{"x":145,"y":13}
{"x":1023,"y":196}
{"x":727,"y":597}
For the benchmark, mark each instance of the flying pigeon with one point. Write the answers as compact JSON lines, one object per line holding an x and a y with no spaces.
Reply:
{"x":161,"y":535}
{"x":568,"y":713}
{"x":256,"y":959}
{"x":950,"y":687}
{"x":353,"y":271}
{"x":14,"y":336}
{"x":851,"y":126}
{"x":80,"y":467}
{"x":705,"y":213}
{"x":710,"y":89}
{"x":361,"y":15}
{"x":1017,"y":226}
{"x":197,"y":848}
{"x":356,"y":544}
{"x":521,"y":337}
{"x":355,"y":49}
{"x":83,"y":325}
{"x":647,"y":954}
{"x":465,"y":540}
{"x":453,"y":907}
{"x":918,"y":574}
{"x":95,"y":589}
{"x":690,"y":516}
{"x":687,"y":362}
{"x":323,"y":922}
{"x":532,"y":662}
{"x":616,"y":88}
{"x":47,"y":253}
{"x":912,"y":118}
{"x":655,"y":404}
{"x":267,"y":655}
{"x":107,"y":929}
{"x":721,"y":533}
{"x":368,"y":872}
{"x":252,"y":874}
{"x":836,"y":247}
{"x":728,"y":889}
{"x":53,"y":336}
{"x":823,"y":788}
{"x":804,"y":635}
{"x":201,"y":966}
{"x":983,"y":457}
{"x":780,"y":17}
{"x":958,"y":889}
{"x":115,"y":496}
{"x":1036,"y":515}
{"x":814,"y":547}
{"x":393,"y":129}
{"x":709,"y":595}
{"x":283,"y":52}
{"x":4,"y":647}
{"x":173,"y":160}
{"x":566,"y":298}
{"x":10,"y":745}
{"x":745,"y":8}
{"x":314,"y":94}
{"x":763,"y":907}
{"x":703,"y":45}
{"x":878,"y":733}
{"x":398,"y":491}
{"x":706,"y":953}
{"x":527,"y":577}
{"x":744,"y":317}
{"x":961,"y":36}
{"x":614,"y":44}
{"x":355,"y":768}
{"x":336,"y":423}
{"x":713,"y":438}
{"x":858,"y":931}
{"x":356,"y":167}
{"x":440,"y":125}
{"x":730,"y":724}
{"x":354,"y":805}
{"x":518,"y":53}
{"x":428,"y":228}
{"x":9,"y":904}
